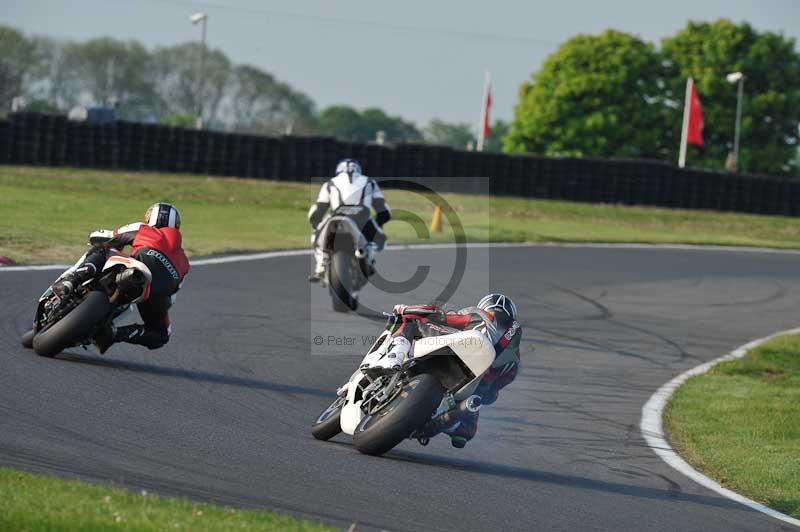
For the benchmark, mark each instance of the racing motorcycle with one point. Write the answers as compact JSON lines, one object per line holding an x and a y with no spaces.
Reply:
{"x":426,"y":395}
{"x":91,"y":306}
{"x":349,"y":262}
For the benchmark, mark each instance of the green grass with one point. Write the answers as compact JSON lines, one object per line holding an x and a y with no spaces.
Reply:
{"x":30,"y":503}
{"x":47,"y":213}
{"x":740,"y":424}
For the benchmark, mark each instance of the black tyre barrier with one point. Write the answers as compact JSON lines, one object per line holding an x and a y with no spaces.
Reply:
{"x":52,"y":140}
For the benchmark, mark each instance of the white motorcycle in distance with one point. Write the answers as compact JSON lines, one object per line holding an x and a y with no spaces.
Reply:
{"x":427,"y":394}
{"x":350,"y":258}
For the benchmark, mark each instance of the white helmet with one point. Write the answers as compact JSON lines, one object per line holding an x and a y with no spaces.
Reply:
{"x":162,"y":215}
{"x":349,"y":167}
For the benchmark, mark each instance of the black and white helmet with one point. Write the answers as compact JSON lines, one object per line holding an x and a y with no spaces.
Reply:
{"x":349,"y":167}
{"x":500,"y":305}
{"x":162,"y":215}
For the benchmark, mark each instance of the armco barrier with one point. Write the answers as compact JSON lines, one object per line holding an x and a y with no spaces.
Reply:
{"x":51,"y":140}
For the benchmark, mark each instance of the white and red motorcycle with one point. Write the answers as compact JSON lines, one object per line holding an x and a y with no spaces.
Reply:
{"x":427,"y":394}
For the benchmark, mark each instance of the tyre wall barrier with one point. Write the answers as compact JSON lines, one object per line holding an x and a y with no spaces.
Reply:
{"x":52,"y":140}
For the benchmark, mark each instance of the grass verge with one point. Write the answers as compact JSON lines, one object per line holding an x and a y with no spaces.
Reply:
{"x":740,"y":424}
{"x":33,"y":503}
{"x":47,"y":212}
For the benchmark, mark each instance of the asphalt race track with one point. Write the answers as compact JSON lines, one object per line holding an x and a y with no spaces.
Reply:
{"x":223,"y":412}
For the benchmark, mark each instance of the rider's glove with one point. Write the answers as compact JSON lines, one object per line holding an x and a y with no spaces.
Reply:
{"x":101,"y":237}
{"x":399,"y":310}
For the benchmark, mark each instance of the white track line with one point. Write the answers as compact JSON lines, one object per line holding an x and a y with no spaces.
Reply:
{"x":244,"y":257}
{"x":653,"y":429}
{"x":651,"y":425}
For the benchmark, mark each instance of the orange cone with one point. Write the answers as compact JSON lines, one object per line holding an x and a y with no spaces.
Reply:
{"x":436,"y":223}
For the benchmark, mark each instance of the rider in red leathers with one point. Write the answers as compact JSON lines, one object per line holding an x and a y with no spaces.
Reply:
{"x":156,"y":242}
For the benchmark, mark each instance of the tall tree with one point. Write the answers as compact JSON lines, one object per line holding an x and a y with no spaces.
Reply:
{"x":51,"y":85}
{"x":596,"y":95}
{"x":261,"y":104}
{"x":495,"y":141}
{"x":18,"y":56}
{"x":347,"y":123}
{"x":342,"y":122}
{"x":178,"y":81}
{"x":104,"y":70}
{"x":771,"y":111}
{"x":395,"y":128}
{"x":456,"y":136}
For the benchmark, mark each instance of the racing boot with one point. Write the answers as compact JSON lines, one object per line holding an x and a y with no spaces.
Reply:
{"x":463,"y":430}
{"x":320,"y":264}
{"x":372,"y":253}
{"x":389,"y":359}
{"x":67,"y":283}
{"x":132,"y":334}
{"x":105,"y":338}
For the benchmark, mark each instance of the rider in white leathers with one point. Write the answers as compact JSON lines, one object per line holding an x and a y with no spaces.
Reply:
{"x":495,"y":316}
{"x":349,"y":187}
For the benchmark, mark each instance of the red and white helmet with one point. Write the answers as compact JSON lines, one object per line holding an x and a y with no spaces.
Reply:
{"x":162,"y":215}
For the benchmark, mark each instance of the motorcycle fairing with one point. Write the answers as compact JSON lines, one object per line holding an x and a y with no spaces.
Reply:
{"x":473,"y":349}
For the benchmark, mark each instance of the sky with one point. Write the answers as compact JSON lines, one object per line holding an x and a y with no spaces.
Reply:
{"x":417,"y":58}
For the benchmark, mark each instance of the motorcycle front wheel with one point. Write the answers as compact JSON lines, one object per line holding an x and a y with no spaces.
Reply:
{"x":327,"y":424}
{"x":407,"y":412}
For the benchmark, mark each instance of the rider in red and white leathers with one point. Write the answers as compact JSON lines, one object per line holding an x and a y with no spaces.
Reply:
{"x":495,"y":316}
{"x":157,"y":243}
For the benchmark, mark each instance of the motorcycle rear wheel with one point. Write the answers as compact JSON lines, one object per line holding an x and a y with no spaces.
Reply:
{"x":76,"y":326}
{"x":341,"y":282}
{"x":406,"y":413}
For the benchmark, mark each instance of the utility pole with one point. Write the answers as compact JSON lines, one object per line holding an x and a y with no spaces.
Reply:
{"x":200,"y":18}
{"x":738,"y":78}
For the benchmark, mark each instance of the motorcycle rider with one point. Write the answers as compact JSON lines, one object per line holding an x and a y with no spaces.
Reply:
{"x":156,"y":242}
{"x":495,"y":316}
{"x":349,"y":187}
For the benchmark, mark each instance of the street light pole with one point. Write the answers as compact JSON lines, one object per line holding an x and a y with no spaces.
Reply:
{"x":199,"y":18}
{"x":738,"y":78}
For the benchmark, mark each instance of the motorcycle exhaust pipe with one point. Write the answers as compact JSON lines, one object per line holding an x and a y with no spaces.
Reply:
{"x":470,"y":405}
{"x":361,"y":253}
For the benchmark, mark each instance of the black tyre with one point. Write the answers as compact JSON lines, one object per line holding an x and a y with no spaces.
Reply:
{"x":341,"y":282}
{"x":327,"y":424}
{"x":76,"y":326}
{"x":406,"y":413}
{"x":27,"y":339}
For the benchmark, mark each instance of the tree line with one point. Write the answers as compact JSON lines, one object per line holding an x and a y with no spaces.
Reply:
{"x":162,"y":85}
{"x":606,"y":95}
{"x":615,"y":95}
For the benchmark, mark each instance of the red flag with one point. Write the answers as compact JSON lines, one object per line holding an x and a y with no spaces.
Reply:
{"x":695,"y":129}
{"x":487,"y":104}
